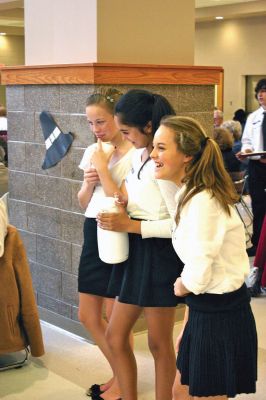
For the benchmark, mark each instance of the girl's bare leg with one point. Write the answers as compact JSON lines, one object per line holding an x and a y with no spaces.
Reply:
{"x":180,"y":392}
{"x":91,"y":316}
{"x":160,"y":321}
{"x":118,"y":334}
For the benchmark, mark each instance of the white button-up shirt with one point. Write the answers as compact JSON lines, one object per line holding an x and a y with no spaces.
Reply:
{"x":212,"y":246}
{"x":252,"y":136}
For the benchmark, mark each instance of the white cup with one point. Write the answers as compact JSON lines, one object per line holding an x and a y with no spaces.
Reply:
{"x":113,"y":246}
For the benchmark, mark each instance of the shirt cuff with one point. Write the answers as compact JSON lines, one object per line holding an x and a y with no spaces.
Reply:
{"x":159,"y":229}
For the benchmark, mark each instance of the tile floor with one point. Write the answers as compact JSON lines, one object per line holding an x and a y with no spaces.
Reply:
{"x":71,"y":365}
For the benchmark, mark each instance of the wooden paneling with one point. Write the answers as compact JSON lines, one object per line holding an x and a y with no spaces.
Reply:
{"x":111,"y":74}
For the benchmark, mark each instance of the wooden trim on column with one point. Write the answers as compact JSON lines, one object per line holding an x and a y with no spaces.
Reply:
{"x":220,"y":92}
{"x":97,"y":73}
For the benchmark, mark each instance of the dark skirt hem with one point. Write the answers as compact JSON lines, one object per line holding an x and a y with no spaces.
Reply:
{"x":100,"y":293}
{"x":140,"y":304}
{"x":218,"y":350}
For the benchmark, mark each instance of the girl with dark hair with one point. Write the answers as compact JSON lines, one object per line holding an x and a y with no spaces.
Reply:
{"x":217,"y":349}
{"x":105,"y":165}
{"x":149,"y":273}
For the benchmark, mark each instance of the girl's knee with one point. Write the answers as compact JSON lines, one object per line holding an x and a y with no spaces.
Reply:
{"x":111,"y":339}
{"x":116,"y":342}
{"x":90,"y":320}
{"x":159,"y":347}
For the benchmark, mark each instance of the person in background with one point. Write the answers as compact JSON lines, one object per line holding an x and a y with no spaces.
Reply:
{"x":234,"y":127}
{"x":225,"y":141}
{"x":218,"y":117}
{"x":240,"y":115}
{"x":254,"y":140}
{"x":3,"y":131}
{"x":3,"y":119}
{"x":217,"y":348}
{"x":150,"y":271}
{"x":105,"y":165}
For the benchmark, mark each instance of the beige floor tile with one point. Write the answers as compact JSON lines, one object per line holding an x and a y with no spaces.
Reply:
{"x":71,"y":365}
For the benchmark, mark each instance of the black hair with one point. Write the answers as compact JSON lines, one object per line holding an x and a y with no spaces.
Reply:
{"x":261,"y":84}
{"x":240,"y":115}
{"x":139,"y":107}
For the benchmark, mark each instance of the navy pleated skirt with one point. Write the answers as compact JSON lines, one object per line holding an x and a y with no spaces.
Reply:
{"x":93,"y":274}
{"x":218,"y":350}
{"x":147,"y":278}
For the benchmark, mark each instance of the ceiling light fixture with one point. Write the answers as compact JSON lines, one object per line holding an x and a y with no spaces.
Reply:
{"x":219,"y":17}
{"x":2,"y":33}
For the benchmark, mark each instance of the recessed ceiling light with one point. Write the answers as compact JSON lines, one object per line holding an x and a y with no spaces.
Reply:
{"x":2,"y":33}
{"x":219,"y":17}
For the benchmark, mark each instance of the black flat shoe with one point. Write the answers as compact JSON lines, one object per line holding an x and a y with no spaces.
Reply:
{"x":94,"y":390}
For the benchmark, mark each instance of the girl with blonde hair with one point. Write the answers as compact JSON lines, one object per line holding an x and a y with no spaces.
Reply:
{"x":105,"y":165}
{"x":217,"y":348}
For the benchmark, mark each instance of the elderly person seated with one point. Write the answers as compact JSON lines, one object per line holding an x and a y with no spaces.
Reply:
{"x":236,"y":130}
{"x":218,"y":117}
{"x":225,"y":141}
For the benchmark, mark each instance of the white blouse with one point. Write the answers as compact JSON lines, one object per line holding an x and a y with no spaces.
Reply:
{"x":3,"y":124}
{"x":151,"y":200}
{"x":118,"y":171}
{"x":212,"y":246}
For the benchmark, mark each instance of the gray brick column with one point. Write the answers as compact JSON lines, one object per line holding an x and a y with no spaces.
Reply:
{"x":43,"y":203}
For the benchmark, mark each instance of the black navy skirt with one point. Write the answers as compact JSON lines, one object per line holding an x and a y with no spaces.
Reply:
{"x":147,"y":278}
{"x":94,"y":274}
{"x":218,"y":350}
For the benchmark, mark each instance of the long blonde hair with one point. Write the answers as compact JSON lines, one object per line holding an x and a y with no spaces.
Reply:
{"x":206,"y":170}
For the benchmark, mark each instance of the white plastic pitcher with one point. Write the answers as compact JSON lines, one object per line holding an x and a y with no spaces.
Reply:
{"x":112,"y":246}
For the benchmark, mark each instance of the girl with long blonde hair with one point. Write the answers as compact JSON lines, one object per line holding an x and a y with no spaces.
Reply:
{"x":217,"y":348}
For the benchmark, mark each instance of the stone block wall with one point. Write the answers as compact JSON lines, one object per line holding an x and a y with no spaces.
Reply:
{"x":43,"y":203}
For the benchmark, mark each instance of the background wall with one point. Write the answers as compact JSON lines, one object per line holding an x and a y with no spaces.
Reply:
{"x":165,"y":36}
{"x":236,"y":45}
{"x":11,"y":53}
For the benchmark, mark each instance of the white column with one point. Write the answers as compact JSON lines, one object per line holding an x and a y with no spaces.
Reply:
{"x":60,"y":31}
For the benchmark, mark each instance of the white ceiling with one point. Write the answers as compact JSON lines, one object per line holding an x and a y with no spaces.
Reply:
{"x":213,"y":3}
{"x":207,"y":10}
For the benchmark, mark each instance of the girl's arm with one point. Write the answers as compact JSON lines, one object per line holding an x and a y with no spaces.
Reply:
{"x":119,"y":222}
{"x":122,"y":223}
{"x":90,"y":180}
{"x":100,"y":161}
{"x":180,"y":289}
